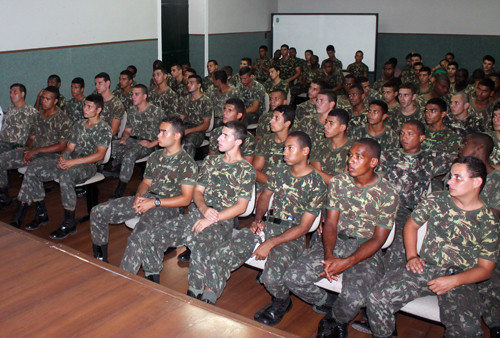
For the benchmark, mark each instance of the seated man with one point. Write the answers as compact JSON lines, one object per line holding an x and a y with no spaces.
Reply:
{"x":343,"y":95}
{"x":332,"y":76}
{"x":361,"y":206}
{"x":409,"y":110}
{"x":387,"y":75}
{"x":124,"y":93}
{"x":195,"y":110}
{"x":308,"y":108}
{"x":208,"y":81}
{"x":298,"y":192}
{"x":236,"y":79}
{"x":390,"y":96}
{"x":262,"y":65}
{"x":269,"y":151}
{"x":480,"y":105}
{"x":276,"y":99}
{"x":252,"y":94}
{"x":219,"y":93}
{"x":113,"y":110}
{"x":138,"y":139}
{"x":356,"y":109}
{"x":495,"y":135}
{"x":163,"y":96}
{"x":86,"y":148}
{"x":234,"y":110}
{"x":223,"y":189}
{"x":312,"y":72}
{"x":358,"y":68}
{"x":49,"y":133}
{"x":424,"y":81}
{"x":437,"y":136}
{"x":459,"y":250}
{"x":74,"y":107}
{"x":53,"y":81}
{"x":289,"y":67}
{"x":178,"y":79}
{"x":275,"y":82}
{"x":168,"y":184}
{"x":329,"y":158}
{"x":460,"y":120}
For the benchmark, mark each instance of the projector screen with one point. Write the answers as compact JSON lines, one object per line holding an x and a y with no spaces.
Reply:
{"x":347,"y":32}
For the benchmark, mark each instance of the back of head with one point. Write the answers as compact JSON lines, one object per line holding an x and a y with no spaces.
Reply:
{"x":228,"y":70}
{"x":245,"y":70}
{"x":54,"y":77}
{"x":132,"y":69}
{"x":482,"y":139}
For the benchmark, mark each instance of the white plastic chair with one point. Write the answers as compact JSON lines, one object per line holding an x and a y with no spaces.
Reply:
{"x":123,"y":123}
{"x":266,"y":108}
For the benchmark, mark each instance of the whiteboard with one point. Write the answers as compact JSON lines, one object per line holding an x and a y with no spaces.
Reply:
{"x":346,"y":32}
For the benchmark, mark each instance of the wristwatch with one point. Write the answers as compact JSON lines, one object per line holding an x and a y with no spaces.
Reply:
{"x":157,"y":202}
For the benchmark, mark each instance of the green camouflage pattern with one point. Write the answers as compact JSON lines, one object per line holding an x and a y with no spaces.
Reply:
{"x":312,"y":127}
{"x":61,"y":103}
{"x":495,"y":154}
{"x":357,"y":70}
{"x":166,"y":100}
{"x":484,"y":114}
{"x":260,"y":74}
{"x":264,"y":124}
{"x":282,"y":85}
{"x":336,"y":78}
{"x":396,"y":119}
{"x":309,"y":75}
{"x":287,"y":67}
{"x":51,"y":130}
{"x":387,"y":140}
{"x":271,"y":150}
{"x":343,"y":103}
{"x":256,"y":92}
{"x":144,"y":125}
{"x":356,"y":121}
{"x":125,"y":155}
{"x":206,"y":83}
{"x":86,"y":140}
{"x":194,"y":111}
{"x":445,"y":141}
{"x":113,"y":110}
{"x":472,"y":124}
{"x":305,"y":109}
{"x":16,"y":125}
{"x":420,"y":92}
{"x":246,"y":149}
{"x":219,"y":101}
{"x":74,"y":110}
{"x":491,"y":190}
{"x":126,"y":98}
{"x":332,"y":161}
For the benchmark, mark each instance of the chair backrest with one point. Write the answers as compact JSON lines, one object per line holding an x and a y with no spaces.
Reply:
{"x":250,"y":206}
{"x":266,"y":102}
{"x":107,"y":156}
{"x":123,"y":123}
{"x":420,"y":236}
{"x":390,"y":238}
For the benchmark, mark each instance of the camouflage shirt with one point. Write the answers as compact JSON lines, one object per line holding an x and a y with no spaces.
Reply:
{"x":343,"y":102}
{"x":282,"y":85}
{"x":87,"y":139}
{"x":409,"y":76}
{"x":495,"y":154}
{"x":305,"y":109}
{"x":396,"y":119}
{"x":178,"y":87}
{"x":113,"y":110}
{"x":17,"y":122}
{"x":357,"y":70}
{"x":207,"y":83}
{"x":420,"y":92}
{"x":235,"y":80}
{"x":356,"y":121}
{"x":336,"y":63}
{"x":272,"y":152}
{"x":362,"y":209}
{"x":387,"y":140}
{"x":246,"y":149}
{"x":444,"y":140}
{"x":74,"y":110}
{"x":491,"y":190}
{"x":484,"y":114}
{"x":333,"y":161}
{"x":194,"y":111}
{"x":50,"y":130}
{"x":455,"y":236}
{"x":288,"y":67}
{"x":226,"y":182}
{"x":309,"y":75}
{"x":264,"y":124}
{"x":312,"y":127}
{"x":126,"y":98}
{"x":166,"y":100}
{"x":219,"y":101}
{"x":145,"y":124}
{"x":256,"y":92}
{"x":472,"y":124}
{"x":295,"y":195}
{"x":260,"y":74}
{"x":411,"y":174}
{"x":61,"y":103}
{"x":168,"y":172}
{"x":336,"y":78}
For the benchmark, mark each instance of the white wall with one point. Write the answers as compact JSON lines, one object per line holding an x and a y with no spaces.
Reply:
{"x":29,"y":24}
{"x":412,"y":16}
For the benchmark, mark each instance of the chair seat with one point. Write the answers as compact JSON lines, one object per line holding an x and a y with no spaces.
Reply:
{"x":94,"y":179}
{"x":252,"y":126}
{"x":204,"y":143}
{"x":22,"y":170}
{"x":132,"y":222}
{"x":425,"y":307}
{"x":144,"y":159}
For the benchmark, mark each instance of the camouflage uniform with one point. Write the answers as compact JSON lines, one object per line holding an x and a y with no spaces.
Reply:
{"x":396,"y":119}
{"x":336,"y":78}
{"x":264,"y":124}
{"x":387,"y":140}
{"x":178,"y":87}
{"x":86,"y":141}
{"x":419,"y":92}
{"x":113,"y":110}
{"x":167,"y":173}
{"x":287,"y":67}
{"x":293,"y":196}
{"x":472,"y":124}
{"x":282,"y":85}
{"x":256,"y":92}
{"x":235,"y":80}
{"x":219,"y":102}
{"x":310,"y":75}
{"x":260,"y":74}
{"x":445,"y":141}
{"x":305,"y":109}
{"x":272,"y":152}
{"x":495,"y":154}
{"x":336,"y":63}
{"x":125,"y":98}
{"x":378,"y":85}
{"x":144,"y":126}
{"x":17,"y":122}
{"x":246,"y":149}
{"x":454,"y":237}
{"x":411,"y":175}
{"x":166,"y":100}
{"x":46,"y":132}
{"x":484,"y":114}
{"x":343,"y":102}
{"x":409,"y":76}
{"x":207,"y":83}
{"x":357,"y":70}
{"x":332,"y":161}
{"x":74,"y":110}
{"x":356,"y":121}
{"x":361,"y":210}
{"x":224,"y":184}
{"x":372,"y":95}
{"x":194,"y":111}
{"x":312,"y":127}
{"x":61,"y":103}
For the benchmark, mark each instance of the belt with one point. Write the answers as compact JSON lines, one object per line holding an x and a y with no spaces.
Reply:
{"x":344,"y":237}
{"x":277,"y":220}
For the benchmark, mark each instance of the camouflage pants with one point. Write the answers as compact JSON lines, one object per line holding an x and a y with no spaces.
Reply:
{"x":356,"y":281}
{"x":7,"y":146}
{"x":43,"y":171}
{"x":460,"y":308}
{"x":193,"y":141}
{"x":234,"y":252}
{"x":395,"y":257}
{"x":490,"y":297}
{"x":13,"y":159}
{"x":127,"y":154}
{"x":118,"y":211}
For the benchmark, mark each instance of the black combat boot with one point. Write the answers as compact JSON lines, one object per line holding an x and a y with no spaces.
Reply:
{"x":120,"y":189}
{"x":154,"y":278}
{"x":100,"y":252}
{"x":68,"y":226}
{"x":18,"y":218}
{"x":274,"y":312}
{"x":5,"y":200}
{"x":41,"y":217}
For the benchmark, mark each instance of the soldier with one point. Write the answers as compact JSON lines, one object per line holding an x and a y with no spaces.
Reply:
{"x":113,"y":109}
{"x":124,"y":92}
{"x":275,"y":82}
{"x":312,"y":73}
{"x":86,"y":147}
{"x":252,"y":94}
{"x":219,"y":94}
{"x":459,"y":250}
{"x":495,"y":135}
{"x":133,"y":72}
{"x":408,"y":75}
{"x":276,"y":98}
{"x":369,"y":93}
{"x":330,"y":51}
{"x":234,"y":110}
{"x":222,"y":192}
{"x":440,"y":89}
{"x":460,"y":121}
{"x":163,"y":96}
{"x":308,"y":108}
{"x":329,"y":158}
{"x":452,"y":71}
{"x":53,"y":81}
{"x":212,"y":66}
{"x":269,"y":150}
{"x":178,"y":84}
{"x":48,"y":135}
{"x":390,"y":96}
{"x":480,"y":105}
{"x":375,"y":127}
{"x":298,"y":192}
{"x":358,"y":68}
{"x":168,"y":184}
{"x":488,"y":64}
{"x":357,"y":110}
{"x":387,"y":75}
{"x":361,"y":206}
{"x":74,"y":107}
{"x":236,"y":80}
{"x":437,"y":136}
{"x":262,"y":65}
{"x":424,"y":81}
{"x":333,"y":77}
{"x":409,"y":110}
{"x":343,"y":95}
{"x":138,"y":139}
{"x":289,"y":67}
{"x":195,"y":110}
{"x":314,"y":125}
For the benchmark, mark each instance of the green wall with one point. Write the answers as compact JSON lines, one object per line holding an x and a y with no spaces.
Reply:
{"x":32,"y":68}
